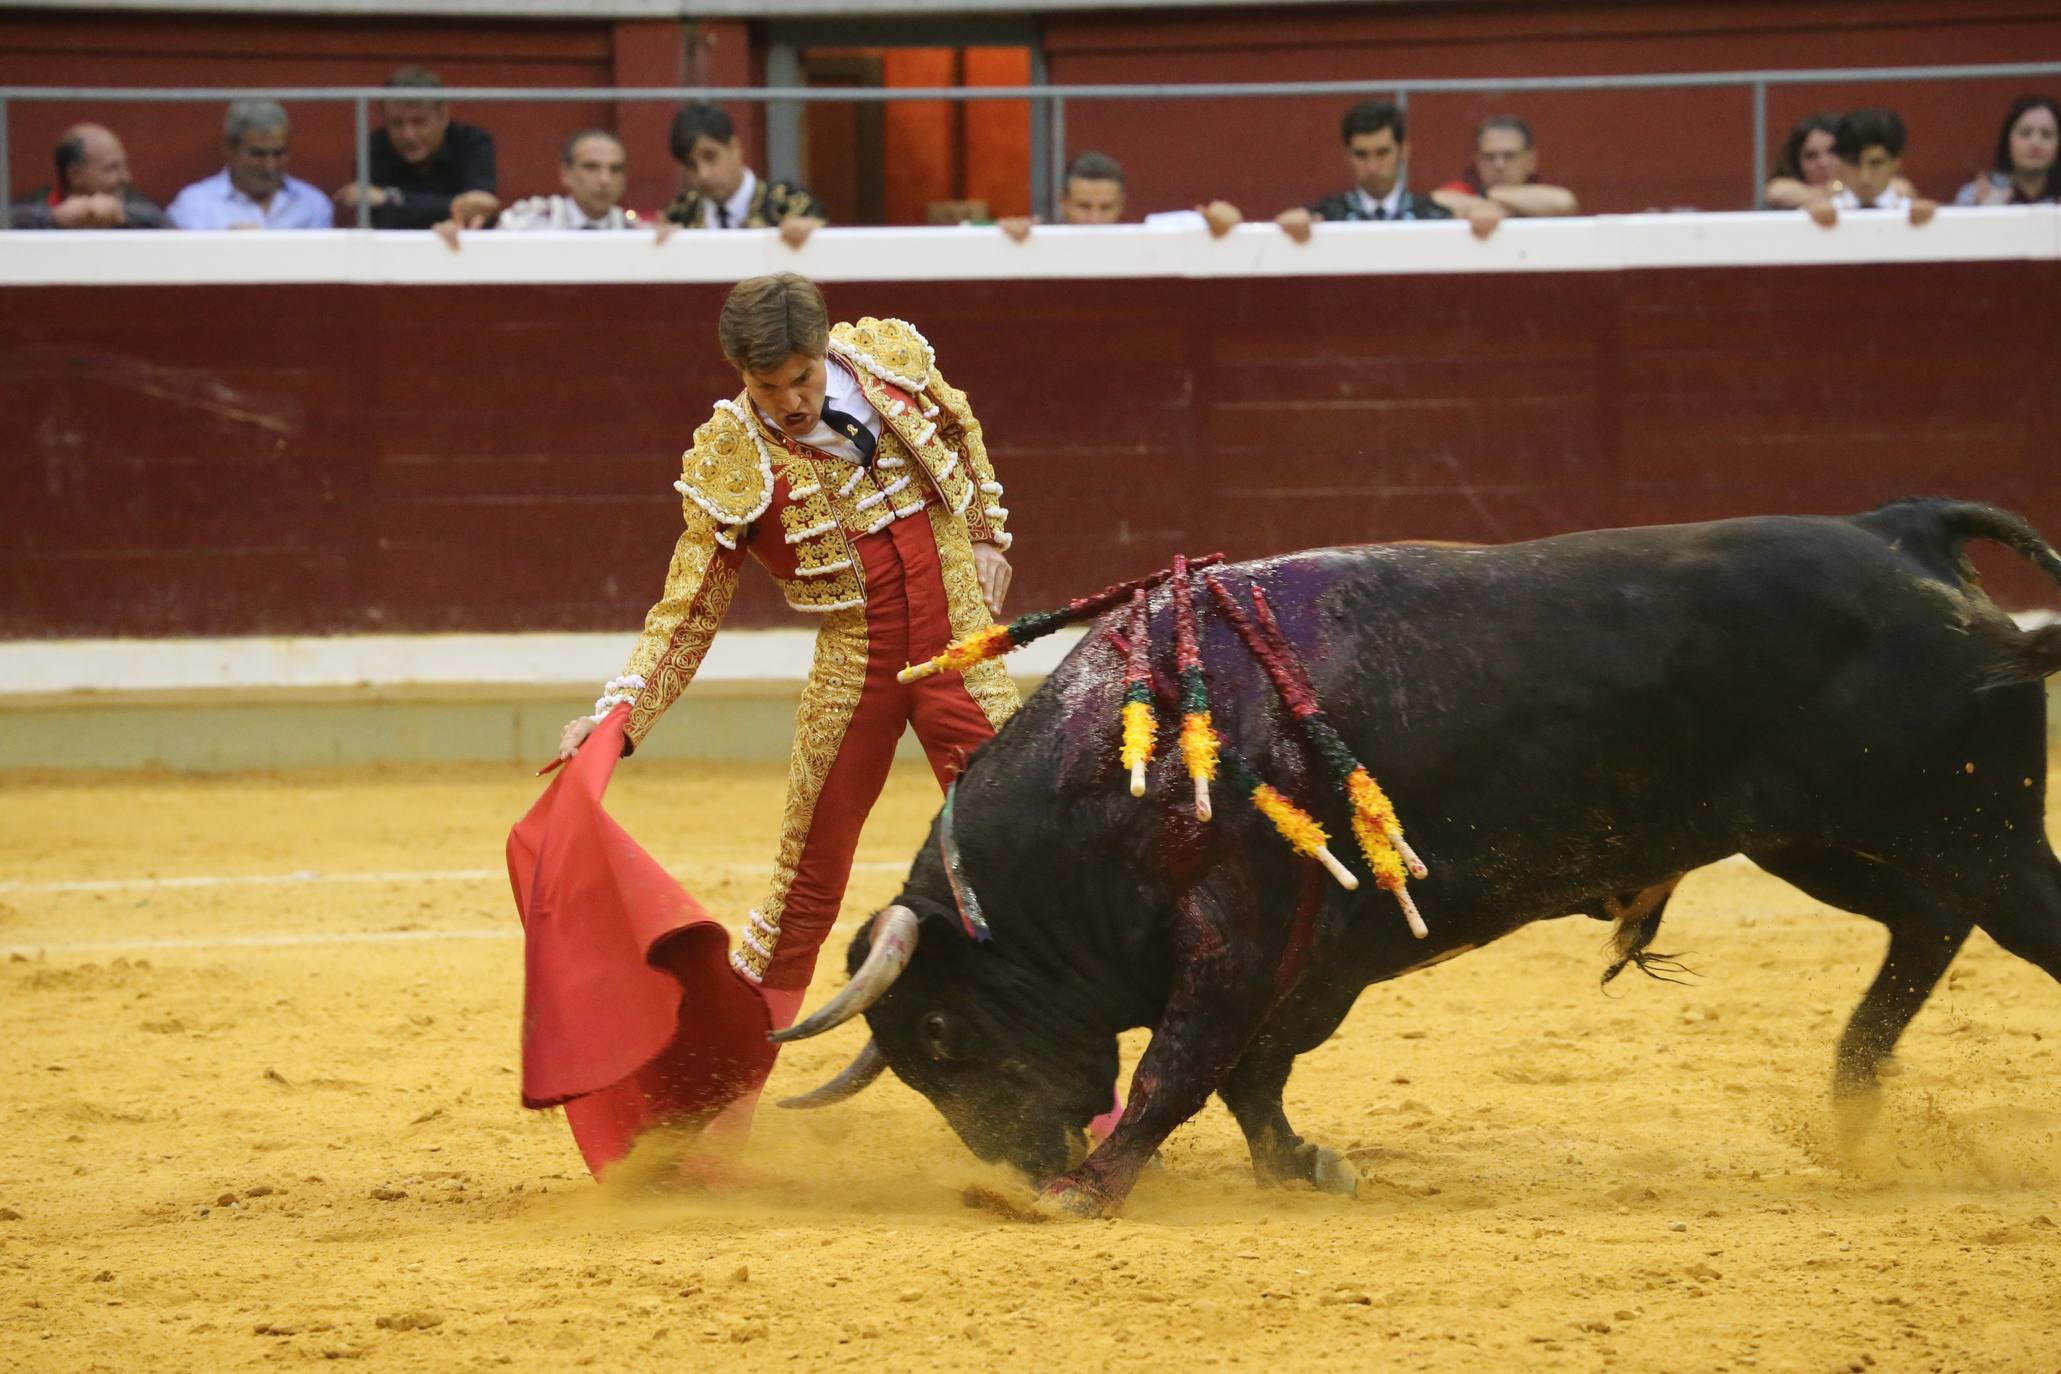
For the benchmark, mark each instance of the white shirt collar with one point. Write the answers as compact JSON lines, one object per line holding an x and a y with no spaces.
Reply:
{"x":841,"y":391}
{"x":739,"y":204}
{"x":1390,"y":205}
{"x":235,"y":195}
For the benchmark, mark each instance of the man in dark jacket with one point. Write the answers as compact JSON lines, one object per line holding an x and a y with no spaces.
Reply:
{"x":91,"y":191}
{"x":721,"y":192}
{"x":425,"y":166}
{"x":1377,"y":148}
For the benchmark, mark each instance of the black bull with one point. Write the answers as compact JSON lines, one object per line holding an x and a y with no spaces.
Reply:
{"x":1565,"y":726}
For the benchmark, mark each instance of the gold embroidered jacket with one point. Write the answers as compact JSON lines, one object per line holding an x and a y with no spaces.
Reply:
{"x":748,"y":487}
{"x":773,"y":203}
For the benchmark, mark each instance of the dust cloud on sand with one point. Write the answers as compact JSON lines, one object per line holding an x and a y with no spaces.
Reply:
{"x":273,"y":1122}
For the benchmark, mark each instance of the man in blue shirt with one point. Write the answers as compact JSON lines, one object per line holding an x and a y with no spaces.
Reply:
{"x":253,"y":191}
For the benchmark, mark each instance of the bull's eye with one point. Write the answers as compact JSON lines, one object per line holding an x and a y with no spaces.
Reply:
{"x":937,"y":1036}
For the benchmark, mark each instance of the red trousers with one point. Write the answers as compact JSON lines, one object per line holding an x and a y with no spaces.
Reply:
{"x":852,"y":715}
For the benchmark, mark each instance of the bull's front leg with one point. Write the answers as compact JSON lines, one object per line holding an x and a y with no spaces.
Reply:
{"x":1219,"y":995}
{"x":1252,"y":1090}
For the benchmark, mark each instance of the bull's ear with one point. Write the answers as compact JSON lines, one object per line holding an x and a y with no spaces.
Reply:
{"x":940,"y":1036}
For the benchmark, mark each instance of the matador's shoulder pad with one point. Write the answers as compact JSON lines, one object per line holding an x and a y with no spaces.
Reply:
{"x":728,"y":472}
{"x":891,"y":350}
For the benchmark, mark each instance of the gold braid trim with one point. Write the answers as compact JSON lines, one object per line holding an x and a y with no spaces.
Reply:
{"x":988,"y":683}
{"x":836,"y":680}
{"x":678,"y":629}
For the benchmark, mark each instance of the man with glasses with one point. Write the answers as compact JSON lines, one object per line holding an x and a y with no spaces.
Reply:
{"x":1504,"y":176}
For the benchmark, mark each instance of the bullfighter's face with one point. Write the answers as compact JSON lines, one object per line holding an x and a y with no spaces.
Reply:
{"x":1017,"y":1087}
{"x":791,"y":395}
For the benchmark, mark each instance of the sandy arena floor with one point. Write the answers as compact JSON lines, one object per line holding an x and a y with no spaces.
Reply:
{"x":255,"y":1120}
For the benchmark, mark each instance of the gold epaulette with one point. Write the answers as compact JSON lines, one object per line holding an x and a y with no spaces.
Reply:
{"x":729,"y":471}
{"x":891,"y":350}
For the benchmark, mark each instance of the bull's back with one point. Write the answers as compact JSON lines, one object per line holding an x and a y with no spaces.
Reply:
{"x":1554,"y":719}
{"x":1603,"y":710}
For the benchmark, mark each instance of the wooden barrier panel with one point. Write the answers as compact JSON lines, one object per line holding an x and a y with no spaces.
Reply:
{"x":316,"y":458}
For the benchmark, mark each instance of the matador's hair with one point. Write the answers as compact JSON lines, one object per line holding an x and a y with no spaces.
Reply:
{"x":769,"y":319}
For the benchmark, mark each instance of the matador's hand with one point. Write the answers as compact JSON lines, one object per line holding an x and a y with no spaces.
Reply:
{"x":574,"y":735}
{"x":994,"y":572}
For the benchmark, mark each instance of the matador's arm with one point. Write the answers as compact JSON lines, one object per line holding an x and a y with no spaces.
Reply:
{"x":677,"y":630}
{"x":986,"y":516}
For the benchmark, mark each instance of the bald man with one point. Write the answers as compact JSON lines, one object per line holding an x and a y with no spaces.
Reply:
{"x":92,"y":189}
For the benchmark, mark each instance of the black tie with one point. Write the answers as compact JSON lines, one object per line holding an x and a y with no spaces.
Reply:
{"x":849,"y":426}
{"x":722,"y":217}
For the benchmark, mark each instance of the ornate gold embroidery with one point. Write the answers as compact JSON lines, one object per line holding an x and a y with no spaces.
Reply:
{"x":956,"y":412}
{"x":891,"y":350}
{"x":987,"y":682}
{"x":728,"y":472}
{"x":677,"y":630}
{"x":828,"y":702}
{"x":935,"y":425}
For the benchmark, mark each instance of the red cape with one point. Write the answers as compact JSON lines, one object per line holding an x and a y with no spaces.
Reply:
{"x":632,"y":1013}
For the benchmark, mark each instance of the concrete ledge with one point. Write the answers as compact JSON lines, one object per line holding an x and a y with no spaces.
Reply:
{"x":724,"y":717}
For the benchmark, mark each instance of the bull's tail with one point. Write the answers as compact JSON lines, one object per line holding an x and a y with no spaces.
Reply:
{"x":1936,"y":532}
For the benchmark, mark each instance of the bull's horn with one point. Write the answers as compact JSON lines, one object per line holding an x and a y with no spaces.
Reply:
{"x":850,"y":1083}
{"x":894,"y":940}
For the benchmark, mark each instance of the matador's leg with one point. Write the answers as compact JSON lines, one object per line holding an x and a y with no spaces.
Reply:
{"x":851,"y":715}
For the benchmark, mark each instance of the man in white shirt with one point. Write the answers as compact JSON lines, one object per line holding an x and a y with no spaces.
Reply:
{"x":1870,"y":145}
{"x":594,"y":171}
{"x":253,"y":190}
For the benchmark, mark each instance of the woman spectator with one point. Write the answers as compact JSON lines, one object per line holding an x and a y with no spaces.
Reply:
{"x":1808,"y":169}
{"x":2025,"y":167}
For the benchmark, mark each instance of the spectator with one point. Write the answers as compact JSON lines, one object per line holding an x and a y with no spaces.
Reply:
{"x":1504,"y":175}
{"x":426,"y":167}
{"x":1377,"y":149}
{"x":1807,"y":172}
{"x":91,"y":191}
{"x":1870,"y":144}
{"x":2024,"y":173}
{"x":723,"y":193}
{"x":1808,"y":168}
{"x":253,"y":190}
{"x":594,"y":170}
{"x":1094,"y":190}
{"x":1095,"y":194}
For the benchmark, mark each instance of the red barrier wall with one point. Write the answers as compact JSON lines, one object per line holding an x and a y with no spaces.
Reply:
{"x":333,"y":459}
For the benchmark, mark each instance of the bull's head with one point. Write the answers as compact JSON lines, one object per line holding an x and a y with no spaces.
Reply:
{"x":1015,"y":1066}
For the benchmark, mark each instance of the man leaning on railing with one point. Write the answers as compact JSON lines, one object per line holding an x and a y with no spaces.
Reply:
{"x":92,"y":189}
{"x":426,"y":167}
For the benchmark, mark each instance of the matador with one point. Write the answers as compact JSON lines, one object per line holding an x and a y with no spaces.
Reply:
{"x":857,"y":476}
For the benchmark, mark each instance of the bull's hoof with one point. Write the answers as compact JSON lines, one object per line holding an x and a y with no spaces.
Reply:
{"x":1066,"y":1200}
{"x":1330,"y":1171}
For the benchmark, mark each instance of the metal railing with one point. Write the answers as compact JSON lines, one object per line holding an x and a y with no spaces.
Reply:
{"x":1051,"y":99}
